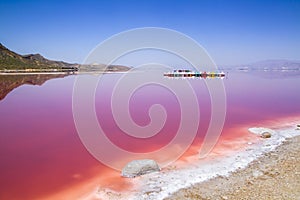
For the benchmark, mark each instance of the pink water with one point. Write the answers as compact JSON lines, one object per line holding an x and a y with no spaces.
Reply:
{"x":42,"y":155}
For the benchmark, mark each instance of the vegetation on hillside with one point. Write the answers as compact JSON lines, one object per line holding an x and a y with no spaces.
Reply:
{"x":10,"y":60}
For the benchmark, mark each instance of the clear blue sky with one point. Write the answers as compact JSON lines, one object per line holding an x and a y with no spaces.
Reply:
{"x":231,"y":31}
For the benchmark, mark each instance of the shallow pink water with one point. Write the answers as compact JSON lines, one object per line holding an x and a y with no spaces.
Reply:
{"x":42,"y":155}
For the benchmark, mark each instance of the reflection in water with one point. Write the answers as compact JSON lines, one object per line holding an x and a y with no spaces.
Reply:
{"x":42,"y":155}
{"x":9,"y":82}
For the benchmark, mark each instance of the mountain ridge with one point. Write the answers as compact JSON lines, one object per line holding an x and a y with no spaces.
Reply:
{"x":279,"y":64}
{"x":10,"y":60}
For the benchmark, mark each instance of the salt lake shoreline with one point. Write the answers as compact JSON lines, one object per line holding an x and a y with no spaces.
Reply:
{"x":274,"y":175}
{"x":262,"y":166}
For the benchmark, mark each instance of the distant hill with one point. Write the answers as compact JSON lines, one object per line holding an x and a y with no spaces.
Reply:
{"x":271,"y":69}
{"x":273,"y":65}
{"x":10,"y":60}
{"x":102,"y":68}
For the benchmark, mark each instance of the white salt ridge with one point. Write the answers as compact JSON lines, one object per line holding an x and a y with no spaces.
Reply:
{"x":159,"y":185}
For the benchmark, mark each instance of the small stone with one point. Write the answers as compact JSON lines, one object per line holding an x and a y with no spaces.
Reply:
{"x":224,"y":197}
{"x":266,"y":135}
{"x":272,"y":173}
{"x":256,"y":174}
{"x":263,"y":177}
{"x":250,"y":183}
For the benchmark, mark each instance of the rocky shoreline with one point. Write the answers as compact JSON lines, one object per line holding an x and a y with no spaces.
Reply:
{"x":275,"y":175}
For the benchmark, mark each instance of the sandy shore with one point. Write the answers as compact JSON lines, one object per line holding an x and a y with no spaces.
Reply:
{"x":275,"y":175}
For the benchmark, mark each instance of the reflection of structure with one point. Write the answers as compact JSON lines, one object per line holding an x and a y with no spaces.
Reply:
{"x":189,"y":74}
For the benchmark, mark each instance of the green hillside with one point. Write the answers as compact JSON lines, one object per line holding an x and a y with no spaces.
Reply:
{"x":10,"y":60}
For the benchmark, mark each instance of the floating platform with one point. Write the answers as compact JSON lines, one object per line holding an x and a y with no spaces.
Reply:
{"x":189,"y":74}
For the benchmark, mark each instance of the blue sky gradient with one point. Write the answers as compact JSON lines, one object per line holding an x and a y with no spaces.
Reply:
{"x":233,"y":32}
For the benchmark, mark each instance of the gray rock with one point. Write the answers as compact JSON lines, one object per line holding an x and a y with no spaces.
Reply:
{"x":139,"y":167}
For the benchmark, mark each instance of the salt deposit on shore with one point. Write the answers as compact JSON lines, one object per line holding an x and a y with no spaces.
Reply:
{"x":275,"y":175}
{"x":162,"y":184}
